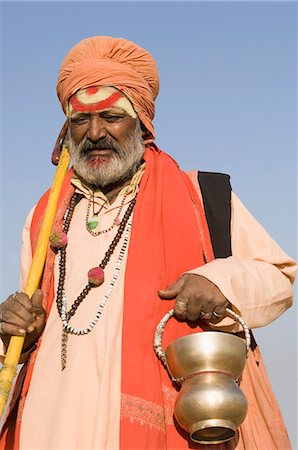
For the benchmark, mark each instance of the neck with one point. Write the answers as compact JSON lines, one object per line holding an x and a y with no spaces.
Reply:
{"x":111,"y":191}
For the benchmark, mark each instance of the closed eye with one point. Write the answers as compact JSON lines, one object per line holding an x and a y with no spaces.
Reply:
{"x":79,"y":119}
{"x":112,"y":117}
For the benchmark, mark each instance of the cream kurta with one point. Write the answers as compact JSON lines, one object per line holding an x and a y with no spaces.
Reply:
{"x":79,"y":408}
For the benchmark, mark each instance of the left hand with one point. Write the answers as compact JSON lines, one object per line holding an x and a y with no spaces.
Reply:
{"x":196,"y":298}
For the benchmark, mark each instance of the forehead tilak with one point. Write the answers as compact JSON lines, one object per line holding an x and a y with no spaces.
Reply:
{"x":98,"y":98}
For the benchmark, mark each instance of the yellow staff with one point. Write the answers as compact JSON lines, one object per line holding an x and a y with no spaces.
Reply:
{"x":9,"y":368}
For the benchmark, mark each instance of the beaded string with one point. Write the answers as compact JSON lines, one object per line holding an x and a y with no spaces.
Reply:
{"x":61,"y":298}
{"x":93,"y":205}
{"x":95,"y":214}
{"x":102,"y":265}
{"x":115,"y":221}
{"x":64,"y":314}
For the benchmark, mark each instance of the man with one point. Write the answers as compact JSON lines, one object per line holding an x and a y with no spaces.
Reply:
{"x":130,"y":242}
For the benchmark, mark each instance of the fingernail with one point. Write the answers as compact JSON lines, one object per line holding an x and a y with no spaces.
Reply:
{"x":22,"y":331}
{"x":30,"y":329}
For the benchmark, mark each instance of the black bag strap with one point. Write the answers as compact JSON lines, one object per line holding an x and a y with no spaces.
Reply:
{"x":216,"y":193}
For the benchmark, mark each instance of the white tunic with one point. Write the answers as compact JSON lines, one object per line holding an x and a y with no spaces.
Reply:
{"x":79,"y":408}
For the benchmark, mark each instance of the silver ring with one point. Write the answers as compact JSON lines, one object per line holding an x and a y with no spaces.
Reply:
{"x":216,"y":315}
{"x":16,"y":293}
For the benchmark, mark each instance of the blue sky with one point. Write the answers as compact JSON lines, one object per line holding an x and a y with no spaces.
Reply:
{"x":227,"y":103}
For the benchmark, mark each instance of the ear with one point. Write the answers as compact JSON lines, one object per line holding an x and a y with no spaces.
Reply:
{"x":144,"y":132}
{"x":58,"y":145}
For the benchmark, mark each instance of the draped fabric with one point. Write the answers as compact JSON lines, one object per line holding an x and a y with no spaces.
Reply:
{"x":10,"y":434}
{"x":117,"y":62}
{"x":169,"y":236}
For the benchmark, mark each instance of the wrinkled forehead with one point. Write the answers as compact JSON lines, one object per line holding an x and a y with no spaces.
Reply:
{"x":98,"y":98}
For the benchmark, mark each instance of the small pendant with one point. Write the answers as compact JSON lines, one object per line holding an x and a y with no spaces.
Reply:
{"x":117,"y":221}
{"x":93,"y":222}
{"x":64,"y":339}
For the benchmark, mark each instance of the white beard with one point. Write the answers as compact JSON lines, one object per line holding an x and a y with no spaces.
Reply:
{"x":119,"y":167}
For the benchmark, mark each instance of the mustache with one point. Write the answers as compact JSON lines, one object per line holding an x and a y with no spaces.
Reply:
{"x":102,"y":144}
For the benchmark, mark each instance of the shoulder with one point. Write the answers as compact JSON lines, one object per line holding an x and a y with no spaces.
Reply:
{"x":212,"y":186}
{"x":212,"y":179}
{"x":214,"y":189}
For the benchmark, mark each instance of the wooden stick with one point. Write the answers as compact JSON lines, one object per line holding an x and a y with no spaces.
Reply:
{"x":9,"y":368}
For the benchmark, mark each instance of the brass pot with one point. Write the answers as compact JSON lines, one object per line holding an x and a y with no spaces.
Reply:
{"x":210,"y":405}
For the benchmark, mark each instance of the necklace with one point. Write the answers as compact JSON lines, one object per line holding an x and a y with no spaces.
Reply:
{"x":92,"y":222}
{"x":64,"y":314}
{"x":61,"y":297}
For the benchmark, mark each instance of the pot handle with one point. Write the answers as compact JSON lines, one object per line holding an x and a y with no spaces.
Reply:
{"x":162,"y":324}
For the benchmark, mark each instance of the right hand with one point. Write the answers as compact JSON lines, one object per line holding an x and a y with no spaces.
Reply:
{"x":20,"y":316}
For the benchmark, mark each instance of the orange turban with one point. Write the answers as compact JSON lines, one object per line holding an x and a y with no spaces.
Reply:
{"x":107,"y":61}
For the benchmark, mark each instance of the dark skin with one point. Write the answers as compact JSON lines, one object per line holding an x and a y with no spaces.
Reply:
{"x":22,"y":316}
{"x":115,"y":123}
{"x":193,"y":294}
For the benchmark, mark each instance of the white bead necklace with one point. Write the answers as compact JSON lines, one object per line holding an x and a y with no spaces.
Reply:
{"x":80,"y":331}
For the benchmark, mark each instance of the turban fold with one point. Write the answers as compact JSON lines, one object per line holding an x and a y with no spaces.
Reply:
{"x":107,"y":61}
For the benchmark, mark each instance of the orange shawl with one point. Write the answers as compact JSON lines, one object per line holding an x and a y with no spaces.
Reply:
{"x":169,"y":236}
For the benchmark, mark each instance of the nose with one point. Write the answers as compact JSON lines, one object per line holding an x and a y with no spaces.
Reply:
{"x":97,"y":129}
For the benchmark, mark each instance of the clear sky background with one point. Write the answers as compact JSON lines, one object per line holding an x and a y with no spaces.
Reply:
{"x":227,"y":103}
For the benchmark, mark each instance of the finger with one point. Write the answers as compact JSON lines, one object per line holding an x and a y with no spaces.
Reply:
{"x":39,"y":311}
{"x":172,"y":291}
{"x":206,"y":316}
{"x":216,"y":317}
{"x":198,"y":307}
{"x":12,"y":318}
{"x":24,"y":308}
{"x":205,"y":312}
{"x":11,"y":330}
{"x":15,"y":309}
{"x":23,"y":299}
{"x":219,"y":312}
{"x":193,"y":314}
{"x":180,"y":308}
{"x":37,"y":303}
{"x":21,"y":304}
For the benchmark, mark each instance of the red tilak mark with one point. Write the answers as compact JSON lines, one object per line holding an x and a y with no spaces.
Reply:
{"x":92,"y":90}
{"x":103,"y":104}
